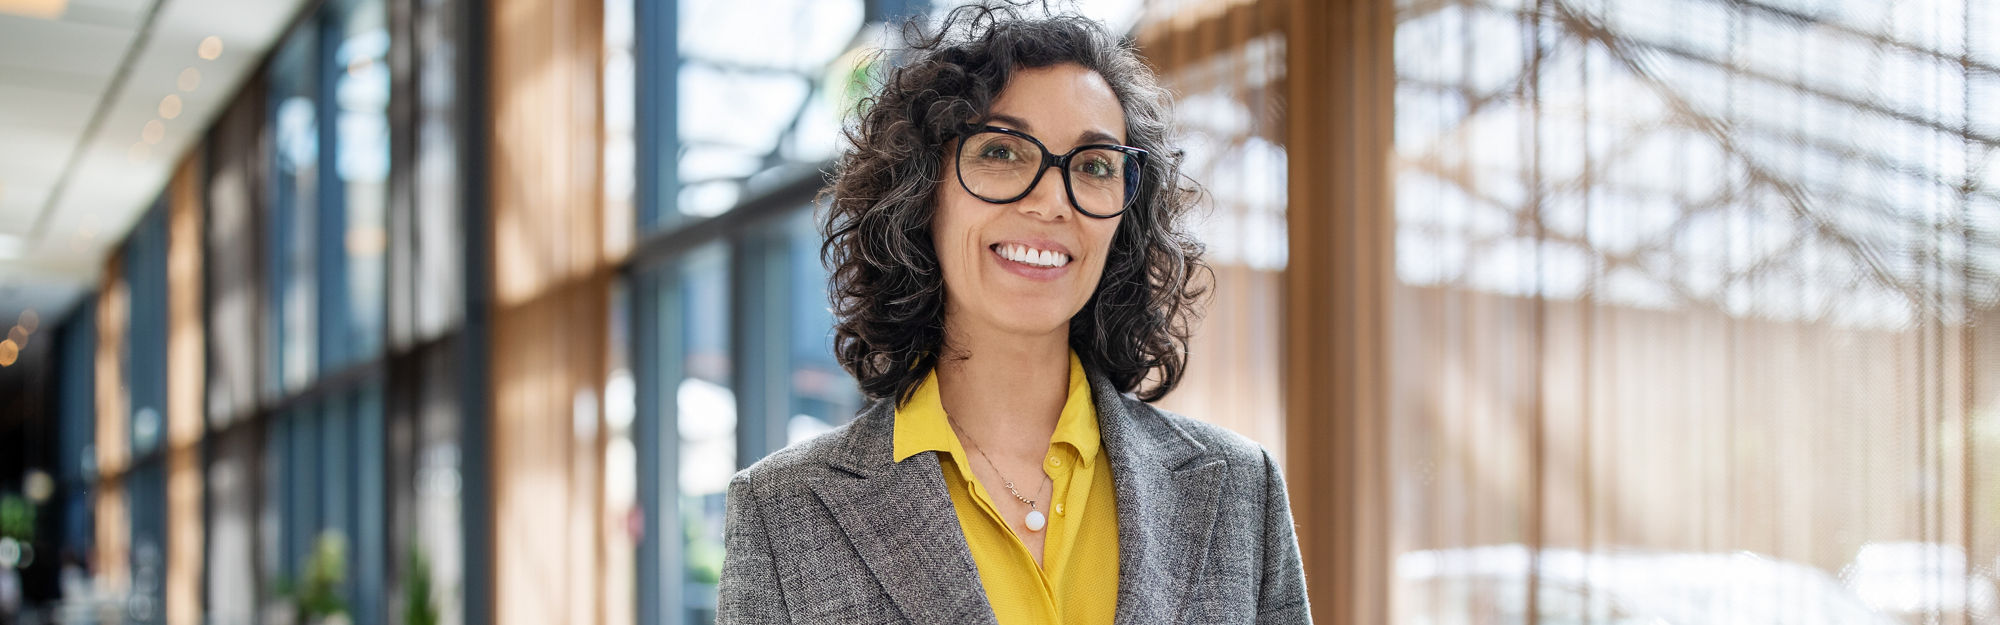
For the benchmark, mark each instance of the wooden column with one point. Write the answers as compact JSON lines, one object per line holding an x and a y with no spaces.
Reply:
{"x":551,"y":300}
{"x":186,"y":378}
{"x":112,"y":525}
{"x":1340,"y":63}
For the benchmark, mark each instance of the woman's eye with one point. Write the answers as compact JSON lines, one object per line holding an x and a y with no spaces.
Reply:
{"x":1098,"y":169}
{"x":998,"y":153}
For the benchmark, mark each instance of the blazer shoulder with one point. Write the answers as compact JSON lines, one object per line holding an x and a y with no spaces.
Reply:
{"x":1237,"y":448}
{"x":794,"y":465}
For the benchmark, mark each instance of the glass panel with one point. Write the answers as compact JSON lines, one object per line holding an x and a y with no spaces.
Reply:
{"x":440,"y":531}
{"x":76,"y":409}
{"x":291,"y":313}
{"x":230,"y":487}
{"x":621,"y":119}
{"x":275,"y":508}
{"x":361,"y":142}
{"x":234,"y":177}
{"x":705,"y":409}
{"x":1691,"y":299}
{"x":752,"y":107}
{"x":822,"y":394}
{"x":440,"y":240}
{"x":367,"y":563}
{"x":622,"y":507}
{"x":146,"y":498}
{"x":303,"y":490}
{"x":145,"y":354}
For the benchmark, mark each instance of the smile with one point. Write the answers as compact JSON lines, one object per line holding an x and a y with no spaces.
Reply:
{"x":1030,"y":256}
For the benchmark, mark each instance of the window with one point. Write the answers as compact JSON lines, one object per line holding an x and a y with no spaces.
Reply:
{"x":760,"y":90}
{"x":1698,"y":278}
{"x":360,"y":103}
{"x":291,"y":291}
{"x":731,"y":346}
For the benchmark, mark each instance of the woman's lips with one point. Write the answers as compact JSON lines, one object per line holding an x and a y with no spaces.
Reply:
{"x":1026,"y":270}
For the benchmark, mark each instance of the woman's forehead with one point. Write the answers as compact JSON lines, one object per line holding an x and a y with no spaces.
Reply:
{"x":1065,"y":104}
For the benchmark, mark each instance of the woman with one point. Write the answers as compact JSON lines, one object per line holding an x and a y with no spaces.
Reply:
{"x":1008,"y":270}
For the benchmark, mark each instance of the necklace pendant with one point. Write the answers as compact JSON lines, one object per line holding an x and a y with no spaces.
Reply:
{"x":1036,"y":521}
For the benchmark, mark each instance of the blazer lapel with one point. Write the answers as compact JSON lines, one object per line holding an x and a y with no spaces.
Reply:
{"x":1168,"y":488}
{"x":900,"y":519}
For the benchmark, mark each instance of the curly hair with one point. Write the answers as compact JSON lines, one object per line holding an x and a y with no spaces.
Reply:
{"x":886,"y":289}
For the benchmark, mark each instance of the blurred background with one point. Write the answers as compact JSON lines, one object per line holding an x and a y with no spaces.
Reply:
{"x":1652,"y":312}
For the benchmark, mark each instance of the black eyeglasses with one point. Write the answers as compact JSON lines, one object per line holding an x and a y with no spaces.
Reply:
{"x":1002,"y":165}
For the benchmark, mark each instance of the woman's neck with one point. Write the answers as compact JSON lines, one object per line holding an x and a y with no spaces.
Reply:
{"x":1006,"y":391}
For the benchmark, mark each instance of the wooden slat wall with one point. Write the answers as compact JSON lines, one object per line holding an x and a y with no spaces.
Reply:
{"x":113,"y":521}
{"x":1233,"y":375}
{"x":186,"y":378}
{"x":551,"y":300}
{"x":1340,"y":98}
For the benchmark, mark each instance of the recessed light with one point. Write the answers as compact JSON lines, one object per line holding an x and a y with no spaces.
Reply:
{"x":138,"y":153}
{"x":190,"y":78}
{"x":210,"y":48}
{"x":154,"y":131}
{"x":170,"y":107}
{"x":44,"y":9}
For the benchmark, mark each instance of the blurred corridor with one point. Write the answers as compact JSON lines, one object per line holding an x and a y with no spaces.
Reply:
{"x":465,"y":311}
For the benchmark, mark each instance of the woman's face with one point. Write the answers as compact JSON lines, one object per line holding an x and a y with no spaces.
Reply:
{"x":979,"y":244}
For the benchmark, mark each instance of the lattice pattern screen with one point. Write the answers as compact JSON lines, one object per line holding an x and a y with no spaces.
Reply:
{"x":1695,"y":308}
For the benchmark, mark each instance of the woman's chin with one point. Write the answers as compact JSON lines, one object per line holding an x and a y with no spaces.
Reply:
{"x":1029,"y":322}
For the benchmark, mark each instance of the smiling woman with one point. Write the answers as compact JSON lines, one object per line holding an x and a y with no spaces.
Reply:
{"x":1011,"y":325}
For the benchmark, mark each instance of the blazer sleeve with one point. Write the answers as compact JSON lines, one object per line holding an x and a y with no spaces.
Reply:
{"x":749,"y":588}
{"x":1282,"y":600}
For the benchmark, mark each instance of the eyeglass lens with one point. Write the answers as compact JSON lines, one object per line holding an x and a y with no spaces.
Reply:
{"x":1000,"y":167}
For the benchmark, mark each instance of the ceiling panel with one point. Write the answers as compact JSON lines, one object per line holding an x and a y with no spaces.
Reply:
{"x":86,"y":184}
{"x":61,"y":47}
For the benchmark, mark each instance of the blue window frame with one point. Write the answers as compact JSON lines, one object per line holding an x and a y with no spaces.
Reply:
{"x":725,"y":307}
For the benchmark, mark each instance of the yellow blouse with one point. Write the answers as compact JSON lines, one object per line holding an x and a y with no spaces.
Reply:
{"x":1078,"y":582}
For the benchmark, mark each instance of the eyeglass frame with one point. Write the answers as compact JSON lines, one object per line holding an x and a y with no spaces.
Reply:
{"x":1049,"y":159}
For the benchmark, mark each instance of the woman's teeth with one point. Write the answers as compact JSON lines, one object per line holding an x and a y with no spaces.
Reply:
{"x":1031,"y":256}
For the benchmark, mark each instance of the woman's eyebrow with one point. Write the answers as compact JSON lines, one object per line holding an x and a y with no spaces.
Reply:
{"x":1011,"y":122}
{"x":1097,"y":136}
{"x":1085,"y":137}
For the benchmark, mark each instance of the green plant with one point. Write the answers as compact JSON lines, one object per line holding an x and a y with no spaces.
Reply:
{"x":17,"y":518}
{"x":704,"y":554}
{"x":417,"y":607}
{"x":318,"y":592}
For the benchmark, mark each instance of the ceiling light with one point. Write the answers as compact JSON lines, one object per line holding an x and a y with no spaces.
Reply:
{"x":138,"y":153}
{"x":154,"y":131}
{"x":44,"y":9}
{"x":30,"y":320}
{"x":190,"y":77}
{"x":170,"y":107}
{"x":210,"y":48}
{"x":8,"y":352}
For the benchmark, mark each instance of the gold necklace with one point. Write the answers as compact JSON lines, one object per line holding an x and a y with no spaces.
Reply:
{"x":1035,"y":519}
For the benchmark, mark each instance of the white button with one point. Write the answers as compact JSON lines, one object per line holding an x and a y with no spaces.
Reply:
{"x":1054,"y":461}
{"x":1059,"y":510}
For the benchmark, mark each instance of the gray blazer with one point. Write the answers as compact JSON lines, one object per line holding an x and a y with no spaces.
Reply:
{"x":833,"y":531}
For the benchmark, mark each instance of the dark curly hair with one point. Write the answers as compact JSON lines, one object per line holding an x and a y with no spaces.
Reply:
{"x":886,"y":289}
